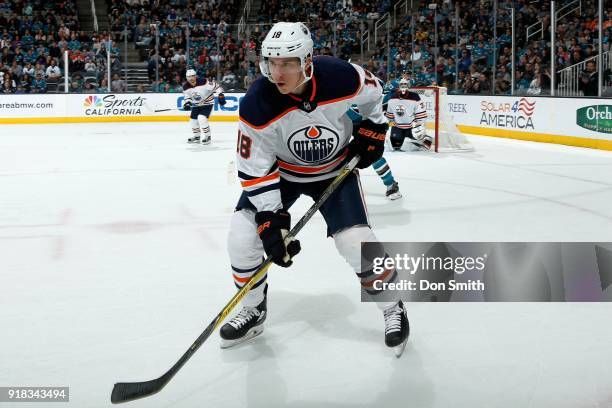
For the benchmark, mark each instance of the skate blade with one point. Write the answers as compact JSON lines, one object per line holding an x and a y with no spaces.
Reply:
{"x":398,"y":350}
{"x":206,"y":142}
{"x":254,"y":332}
{"x":394,"y":196}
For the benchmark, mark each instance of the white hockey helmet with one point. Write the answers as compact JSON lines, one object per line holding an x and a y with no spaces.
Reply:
{"x":403,"y":85}
{"x":190,"y":73}
{"x":287,"y":40}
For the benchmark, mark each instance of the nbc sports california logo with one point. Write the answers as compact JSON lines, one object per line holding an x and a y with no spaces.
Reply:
{"x":94,"y":105}
{"x":312,"y":144}
{"x":93,"y":102}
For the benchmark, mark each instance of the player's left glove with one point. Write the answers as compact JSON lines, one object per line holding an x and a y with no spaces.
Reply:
{"x":221,"y":99}
{"x":368,"y":142}
{"x":187,"y":105}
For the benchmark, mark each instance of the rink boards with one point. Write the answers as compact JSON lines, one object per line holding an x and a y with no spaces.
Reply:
{"x":571,"y":121}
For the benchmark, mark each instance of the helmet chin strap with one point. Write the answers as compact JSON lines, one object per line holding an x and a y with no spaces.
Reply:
{"x":306,"y":77}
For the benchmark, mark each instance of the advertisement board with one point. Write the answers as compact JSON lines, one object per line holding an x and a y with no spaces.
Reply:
{"x":67,"y":108}
{"x":572,"y":121}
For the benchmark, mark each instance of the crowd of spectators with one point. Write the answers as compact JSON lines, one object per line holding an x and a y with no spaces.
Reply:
{"x":34,"y":37}
{"x":203,"y":35}
{"x":210,"y":38}
{"x":464,"y":63}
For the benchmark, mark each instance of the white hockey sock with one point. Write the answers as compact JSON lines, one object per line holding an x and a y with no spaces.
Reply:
{"x":195,"y":127}
{"x":348,"y":242}
{"x":246,"y":255}
{"x":203,"y":122}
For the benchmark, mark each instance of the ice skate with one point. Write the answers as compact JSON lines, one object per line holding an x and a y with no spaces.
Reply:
{"x":397,"y":328}
{"x":248,"y":323}
{"x":393,"y":192}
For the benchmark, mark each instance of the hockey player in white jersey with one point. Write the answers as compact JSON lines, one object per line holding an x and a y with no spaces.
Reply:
{"x":407,"y":115}
{"x":199,"y":99}
{"x":294,"y":137}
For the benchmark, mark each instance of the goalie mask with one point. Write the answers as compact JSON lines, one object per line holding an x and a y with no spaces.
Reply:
{"x":403,"y":85}
{"x":287,"y":40}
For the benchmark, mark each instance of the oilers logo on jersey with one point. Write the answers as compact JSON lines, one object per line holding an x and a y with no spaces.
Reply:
{"x":312,"y":144}
{"x":197,"y":98}
{"x":400,"y":110}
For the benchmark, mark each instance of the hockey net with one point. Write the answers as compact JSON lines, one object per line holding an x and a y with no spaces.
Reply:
{"x":439,"y":123}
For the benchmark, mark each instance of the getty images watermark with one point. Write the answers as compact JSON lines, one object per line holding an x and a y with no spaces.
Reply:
{"x":486,"y":271}
{"x":411,"y":264}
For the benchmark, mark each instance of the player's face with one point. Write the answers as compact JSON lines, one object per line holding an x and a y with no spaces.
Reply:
{"x":191,"y":80}
{"x":286,"y":73}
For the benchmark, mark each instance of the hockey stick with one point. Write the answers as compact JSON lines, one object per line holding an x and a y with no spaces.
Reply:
{"x":124,"y":392}
{"x":146,"y":105}
{"x":166,"y":110}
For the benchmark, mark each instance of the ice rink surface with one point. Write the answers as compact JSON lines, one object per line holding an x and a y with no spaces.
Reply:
{"x":113,"y":260}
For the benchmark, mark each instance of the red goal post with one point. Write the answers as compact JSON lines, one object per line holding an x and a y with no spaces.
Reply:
{"x":439,"y":123}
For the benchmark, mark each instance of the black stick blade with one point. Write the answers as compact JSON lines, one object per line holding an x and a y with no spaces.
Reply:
{"x":124,"y":392}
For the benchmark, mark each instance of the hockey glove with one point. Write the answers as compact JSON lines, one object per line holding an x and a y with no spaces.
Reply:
{"x":221,"y":99}
{"x":368,"y":142}
{"x":187,"y":105}
{"x":272,"y":228}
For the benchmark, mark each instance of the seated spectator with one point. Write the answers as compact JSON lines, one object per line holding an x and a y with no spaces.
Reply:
{"x":535,"y":88}
{"x":118,"y":84}
{"x":416,"y":54}
{"x":116,"y":65}
{"x":26,"y":83}
{"x":103,"y":87}
{"x":16,"y":69}
{"x":39,"y":85}
{"x":502,"y":87}
{"x":229,"y":80}
{"x":75,"y":87}
{"x":74,"y":44}
{"x":8,"y":83}
{"x":39,"y":69}
{"x":53,"y":72}
{"x":522,"y":84}
{"x":89,"y":88}
{"x":90,"y":67}
{"x":588,"y":81}
{"x":465,"y":62}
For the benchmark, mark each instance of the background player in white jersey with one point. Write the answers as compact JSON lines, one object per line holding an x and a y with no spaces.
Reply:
{"x":407,"y":115}
{"x":294,"y":137}
{"x":199,"y":99}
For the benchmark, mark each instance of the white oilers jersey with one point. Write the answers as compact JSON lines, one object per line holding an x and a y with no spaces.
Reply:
{"x":406,"y":110}
{"x":202,"y":93}
{"x":301,"y":140}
